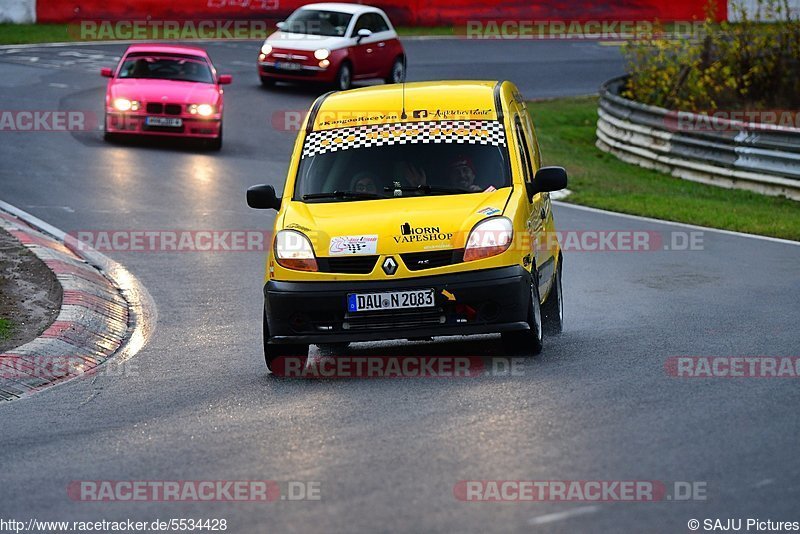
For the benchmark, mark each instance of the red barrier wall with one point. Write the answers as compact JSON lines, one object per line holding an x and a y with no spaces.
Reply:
{"x":411,"y":12}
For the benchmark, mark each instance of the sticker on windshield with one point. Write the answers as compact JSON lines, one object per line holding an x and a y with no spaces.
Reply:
{"x":463,"y":132}
{"x":353,"y":244}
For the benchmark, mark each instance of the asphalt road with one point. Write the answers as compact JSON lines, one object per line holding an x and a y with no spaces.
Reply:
{"x":197,"y":402}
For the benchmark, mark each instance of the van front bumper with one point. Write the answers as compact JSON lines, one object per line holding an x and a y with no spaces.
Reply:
{"x":467,"y":303}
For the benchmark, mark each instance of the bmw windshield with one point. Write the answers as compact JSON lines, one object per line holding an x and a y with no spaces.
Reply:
{"x":184,"y":69}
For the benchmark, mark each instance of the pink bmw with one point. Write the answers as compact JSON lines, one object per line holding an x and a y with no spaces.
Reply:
{"x":165,"y":90}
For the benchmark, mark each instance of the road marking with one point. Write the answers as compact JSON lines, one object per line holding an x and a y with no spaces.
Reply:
{"x":59,"y":85}
{"x":560,"y":516}
{"x":65,"y":208}
{"x":765,"y":482}
{"x":673,"y":223}
{"x":560,"y":195}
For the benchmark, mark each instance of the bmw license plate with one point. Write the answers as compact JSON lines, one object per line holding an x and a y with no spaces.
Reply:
{"x":164,"y":121}
{"x":392,"y":300}
{"x":288,"y":66}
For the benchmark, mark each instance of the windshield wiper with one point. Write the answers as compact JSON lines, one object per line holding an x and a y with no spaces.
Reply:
{"x":428,"y":189}
{"x":342,"y":194}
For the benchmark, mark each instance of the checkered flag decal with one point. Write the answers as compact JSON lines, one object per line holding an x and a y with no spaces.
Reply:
{"x":464,"y":132}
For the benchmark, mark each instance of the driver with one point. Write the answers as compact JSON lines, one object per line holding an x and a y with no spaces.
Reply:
{"x":364,"y":182}
{"x":140,"y":69}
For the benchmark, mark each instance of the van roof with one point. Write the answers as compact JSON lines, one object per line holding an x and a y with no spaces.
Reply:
{"x":424,"y":101}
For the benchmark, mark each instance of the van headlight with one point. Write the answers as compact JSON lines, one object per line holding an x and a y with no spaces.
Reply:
{"x":322,"y":53}
{"x":489,"y":238}
{"x":293,"y":250}
{"x":266,"y":49}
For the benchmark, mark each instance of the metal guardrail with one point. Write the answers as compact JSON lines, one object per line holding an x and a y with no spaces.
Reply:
{"x":758,"y":157}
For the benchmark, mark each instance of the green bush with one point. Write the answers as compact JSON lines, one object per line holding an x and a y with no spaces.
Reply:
{"x":751,"y":64}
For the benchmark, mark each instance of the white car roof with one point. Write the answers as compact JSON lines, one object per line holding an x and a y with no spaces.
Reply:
{"x":353,"y":9}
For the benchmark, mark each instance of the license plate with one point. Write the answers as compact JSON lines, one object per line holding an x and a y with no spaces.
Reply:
{"x":164,"y":121}
{"x":392,"y":300}
{"x":288,"y":66}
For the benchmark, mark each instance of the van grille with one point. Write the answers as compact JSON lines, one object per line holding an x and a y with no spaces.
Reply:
{"x":394,"y":319}
{"x":417,"y":261}
{"x":347,"y":264}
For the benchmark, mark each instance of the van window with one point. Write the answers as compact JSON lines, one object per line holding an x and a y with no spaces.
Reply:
{"x":401,"y":160}
{"x":522,"y":146}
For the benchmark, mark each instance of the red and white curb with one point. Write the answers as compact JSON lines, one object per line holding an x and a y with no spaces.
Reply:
{"x":105,"y":311}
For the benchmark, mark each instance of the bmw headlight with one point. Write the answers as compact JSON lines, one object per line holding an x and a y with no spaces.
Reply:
{"x":204,"y":110}
{"x":123,"y":104}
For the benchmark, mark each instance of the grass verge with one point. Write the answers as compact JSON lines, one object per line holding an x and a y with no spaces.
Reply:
{"x":5,"y":328}
{"x":566,"y":129}
{"x":54,"y":33}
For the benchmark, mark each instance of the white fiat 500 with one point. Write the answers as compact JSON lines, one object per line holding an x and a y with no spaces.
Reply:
{"x":333,"y":44}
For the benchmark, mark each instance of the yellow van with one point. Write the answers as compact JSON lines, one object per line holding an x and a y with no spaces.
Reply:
{"x":412,"y":211}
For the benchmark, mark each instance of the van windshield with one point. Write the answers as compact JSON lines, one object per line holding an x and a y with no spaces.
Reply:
{"x":401,"y":160}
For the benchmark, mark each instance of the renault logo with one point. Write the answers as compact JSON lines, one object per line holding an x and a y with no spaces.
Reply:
{"x":389,"y":266}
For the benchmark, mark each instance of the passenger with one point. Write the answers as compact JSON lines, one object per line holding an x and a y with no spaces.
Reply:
{"x":461,"y":173}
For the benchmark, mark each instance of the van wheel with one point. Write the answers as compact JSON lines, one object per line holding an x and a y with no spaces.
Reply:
{"x":282,"y":358}
{"x":553,"y":307}
{"x":527,"y":342}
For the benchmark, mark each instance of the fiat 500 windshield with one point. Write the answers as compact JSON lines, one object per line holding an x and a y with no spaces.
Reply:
{"x":350,"y":165}
{"x":317,"y":22}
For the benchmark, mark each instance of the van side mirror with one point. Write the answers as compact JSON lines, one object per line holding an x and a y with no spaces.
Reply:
{"x":547,"y":179}
{"x":105,"y":72}
{"x":263,"y":197}
{"x":225,"y":79}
